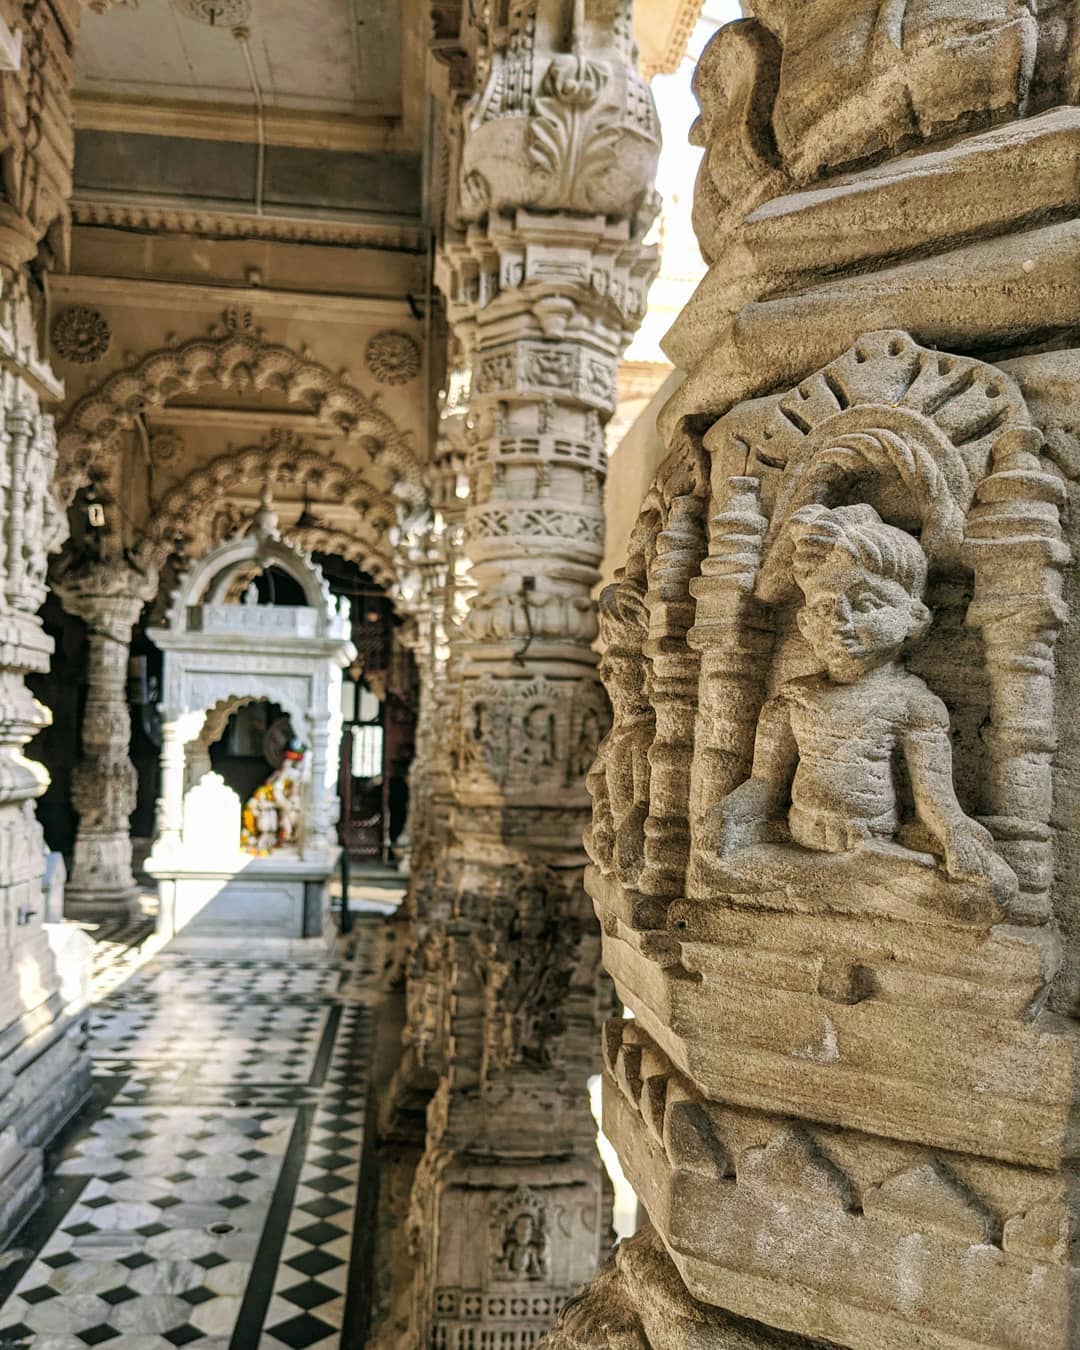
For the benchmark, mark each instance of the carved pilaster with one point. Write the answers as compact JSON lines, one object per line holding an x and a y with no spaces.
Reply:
{"x":38,"y":1089}
{"x":109,"y":597}
{"x":544,"y":275}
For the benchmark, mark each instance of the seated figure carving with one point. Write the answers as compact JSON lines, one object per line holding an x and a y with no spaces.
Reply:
{"x":833,"y":748}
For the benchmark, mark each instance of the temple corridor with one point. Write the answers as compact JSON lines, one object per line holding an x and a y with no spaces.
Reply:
{"x":539,"y":674}
{"x":208,"y":1194}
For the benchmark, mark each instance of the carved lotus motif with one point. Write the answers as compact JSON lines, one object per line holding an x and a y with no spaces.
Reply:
{"x":393,"y":358}
{"x":81,"y":334}
{"x":165,"y":445}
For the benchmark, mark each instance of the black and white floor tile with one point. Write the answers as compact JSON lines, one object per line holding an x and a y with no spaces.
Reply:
{"x":207,"y":1196}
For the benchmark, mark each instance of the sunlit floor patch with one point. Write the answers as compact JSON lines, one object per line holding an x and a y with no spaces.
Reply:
{"x":207,"y":1196}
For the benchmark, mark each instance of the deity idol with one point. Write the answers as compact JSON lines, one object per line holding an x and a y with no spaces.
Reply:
{"x":271,"y":816}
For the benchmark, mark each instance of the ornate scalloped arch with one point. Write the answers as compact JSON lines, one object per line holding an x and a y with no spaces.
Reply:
{"x":238,"y":690}
{"x":189,"y":509}
{"x":237,"y":360}
{"x":354,"y":549}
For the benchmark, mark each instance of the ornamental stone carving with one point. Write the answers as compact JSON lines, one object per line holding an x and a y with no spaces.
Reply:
{"x":521,"y":1237}
{"x":235,"y":356}
{"x":392,"y":358}
{"x":217,"y":13}
{"x":166,"y":445}
{"x":81,"y":334}
{"x":570,"y":129}
{"x":42,"y":1015}
{"x":109,"y":596}
{"x":823,"y":814}
{"x":36,"y":133}
{"x":192,"y":518}
{"x":544,"y":271}
{"x":858,"y":78}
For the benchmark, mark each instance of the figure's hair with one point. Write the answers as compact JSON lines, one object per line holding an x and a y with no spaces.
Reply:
{"x":624,"y":620}
{"x":887,"y":552}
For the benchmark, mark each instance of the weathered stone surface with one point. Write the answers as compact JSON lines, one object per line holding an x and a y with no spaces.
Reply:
{"x":544,"y":273}
{"x":833,"y":832}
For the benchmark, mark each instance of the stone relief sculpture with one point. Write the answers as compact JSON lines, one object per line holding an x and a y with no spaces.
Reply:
{"x":823,"y":822}
{"x":831,"y":746}
{"x":523,"y":1252}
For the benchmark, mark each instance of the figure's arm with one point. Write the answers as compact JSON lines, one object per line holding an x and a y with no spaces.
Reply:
{"x":736,"y":818}
{"x":967,"y":846}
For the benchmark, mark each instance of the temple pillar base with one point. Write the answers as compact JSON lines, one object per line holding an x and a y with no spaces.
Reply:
{"x":639,"y":1302}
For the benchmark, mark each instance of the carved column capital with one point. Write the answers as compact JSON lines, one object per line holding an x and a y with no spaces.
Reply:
{"x":562,"y":120}
{"x":108,"y":594}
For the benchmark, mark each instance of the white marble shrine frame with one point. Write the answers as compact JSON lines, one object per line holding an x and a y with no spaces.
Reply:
{"x":220,"y":652}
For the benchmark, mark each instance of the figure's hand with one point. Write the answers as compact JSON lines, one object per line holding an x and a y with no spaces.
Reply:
{"x":969,"y":851}
{"x":736,"y":819}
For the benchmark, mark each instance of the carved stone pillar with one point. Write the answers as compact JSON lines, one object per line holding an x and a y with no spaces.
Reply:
{"x":544,"y":274}
{"x":109,"y":597}
{"x":835,"y":821}
{"x":44,"y":1068}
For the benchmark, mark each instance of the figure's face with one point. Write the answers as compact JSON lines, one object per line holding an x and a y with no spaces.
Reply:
{"x":854,"y":620}
{"x":523,"y":1229}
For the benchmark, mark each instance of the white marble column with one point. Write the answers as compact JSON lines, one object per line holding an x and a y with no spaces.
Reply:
{"x":109,"y":597}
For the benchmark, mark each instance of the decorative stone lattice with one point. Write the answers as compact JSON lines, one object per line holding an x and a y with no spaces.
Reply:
{"x":81,"y":334}
{"x":393,"y":358}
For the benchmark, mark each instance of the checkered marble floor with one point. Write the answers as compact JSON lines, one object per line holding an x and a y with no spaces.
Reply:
{"x":207,"y":1195}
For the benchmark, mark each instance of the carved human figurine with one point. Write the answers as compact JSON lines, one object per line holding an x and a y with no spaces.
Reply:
{"x":284,"y":784}
{"x":618,"y":781}
{"x":525,"y":1249}
{"x":271,"y":815}
{"x":831,"y":747}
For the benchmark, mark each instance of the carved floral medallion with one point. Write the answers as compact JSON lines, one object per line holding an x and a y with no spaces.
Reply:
{"x":393,"y":358}
{"x":81,"y":334}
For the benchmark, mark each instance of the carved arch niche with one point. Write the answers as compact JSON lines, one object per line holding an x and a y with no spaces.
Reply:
{"x":944,"y":448}
{"x":198,"y":514}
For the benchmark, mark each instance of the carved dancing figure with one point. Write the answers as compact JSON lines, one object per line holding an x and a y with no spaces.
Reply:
{"x":832,"y":746}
